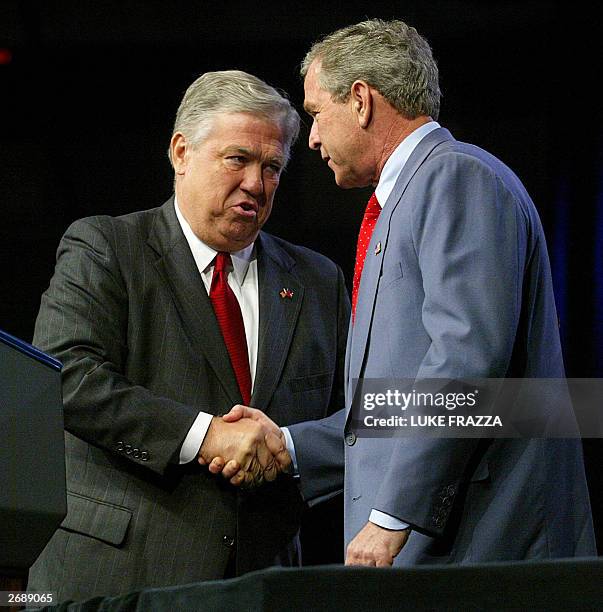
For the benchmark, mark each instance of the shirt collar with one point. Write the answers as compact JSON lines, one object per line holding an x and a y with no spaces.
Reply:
{"x":204,"y":255}
{"x":393,"y":166}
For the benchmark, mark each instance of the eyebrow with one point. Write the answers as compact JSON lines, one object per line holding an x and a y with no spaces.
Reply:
{"x":237,"y":149}
{"x":280,"y":159}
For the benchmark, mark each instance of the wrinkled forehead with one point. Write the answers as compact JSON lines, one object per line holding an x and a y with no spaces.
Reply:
{"x":238,"y":125}
{"x":248,"y":134}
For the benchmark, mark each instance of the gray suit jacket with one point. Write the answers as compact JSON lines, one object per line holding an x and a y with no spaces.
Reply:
{"x":128,"y":315}
{"x":461,"y":288}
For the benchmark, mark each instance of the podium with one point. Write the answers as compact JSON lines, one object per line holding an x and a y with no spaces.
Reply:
{"x":32,"y":457}
{"x":545,"y":585}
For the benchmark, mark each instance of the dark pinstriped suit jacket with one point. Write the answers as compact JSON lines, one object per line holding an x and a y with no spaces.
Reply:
{"x":128,"y":315}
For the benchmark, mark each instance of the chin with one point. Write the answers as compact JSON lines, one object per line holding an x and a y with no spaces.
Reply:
{"x":238,"y":240}
{"x":347,"y":182}
{"x":341,"y":181}
{"x":345,"y":178}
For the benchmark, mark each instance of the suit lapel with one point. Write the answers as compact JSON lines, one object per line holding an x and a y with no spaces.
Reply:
{"x":367,"y":292}
{"x":278,"y":316}
{"x":179,"y":270}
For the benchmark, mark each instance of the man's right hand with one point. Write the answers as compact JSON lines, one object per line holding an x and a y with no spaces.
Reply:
{"x":242,"y":443}
{"x":279,"y":459}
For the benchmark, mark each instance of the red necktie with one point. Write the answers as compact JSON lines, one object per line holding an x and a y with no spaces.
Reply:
{"x":230,"y":320}
{"x":371,"y":214}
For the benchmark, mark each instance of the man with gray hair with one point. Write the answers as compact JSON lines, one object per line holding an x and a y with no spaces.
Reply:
{"x":452,"y":281}
{"x":166,"y":318}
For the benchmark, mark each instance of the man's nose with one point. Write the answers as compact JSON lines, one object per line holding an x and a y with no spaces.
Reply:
{"x":314,"y":138}
{"x":253,"y":182}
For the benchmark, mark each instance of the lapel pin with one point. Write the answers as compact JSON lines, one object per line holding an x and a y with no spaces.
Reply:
{"x":378,"y":248}
{"x":285,"y":293}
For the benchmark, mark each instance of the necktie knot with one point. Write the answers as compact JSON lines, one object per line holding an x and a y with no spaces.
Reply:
{"x":223,"y":261}
{"x":373,"y":208}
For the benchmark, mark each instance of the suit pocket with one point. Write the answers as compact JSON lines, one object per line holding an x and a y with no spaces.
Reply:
{"x":308,"y":397}
{"x":390,"y":274}
{"x":97,"y":519}
{"x":306,"y":383}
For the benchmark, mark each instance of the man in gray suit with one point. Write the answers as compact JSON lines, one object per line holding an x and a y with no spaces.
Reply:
{"x":456,"y":284}
{"x":135,"y":311}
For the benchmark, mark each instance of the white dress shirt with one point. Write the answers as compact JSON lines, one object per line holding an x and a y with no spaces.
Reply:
{"x":243,"y":280}
{"x":389,"y":175}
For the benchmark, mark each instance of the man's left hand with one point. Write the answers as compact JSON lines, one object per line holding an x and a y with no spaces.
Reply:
{"x":376,"y":546}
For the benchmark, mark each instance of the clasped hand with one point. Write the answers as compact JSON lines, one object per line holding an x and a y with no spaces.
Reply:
{"x":246,"y":446}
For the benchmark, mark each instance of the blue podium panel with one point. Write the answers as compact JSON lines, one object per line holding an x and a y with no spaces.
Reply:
{"x":32,"y":452}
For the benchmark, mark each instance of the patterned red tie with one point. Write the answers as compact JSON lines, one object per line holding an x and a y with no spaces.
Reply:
{"x":371,"y":214}
{"x":230,"y":319}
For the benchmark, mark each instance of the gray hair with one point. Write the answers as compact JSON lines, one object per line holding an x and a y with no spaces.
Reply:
{"x":390,"y":56}
{"x":233,"y":91}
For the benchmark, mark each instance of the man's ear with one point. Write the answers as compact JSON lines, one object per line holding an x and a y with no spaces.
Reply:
{"x":178,"y":148}
{"x":361,"y":97}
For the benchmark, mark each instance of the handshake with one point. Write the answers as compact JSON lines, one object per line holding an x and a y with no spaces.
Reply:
{"x":246,"y":446}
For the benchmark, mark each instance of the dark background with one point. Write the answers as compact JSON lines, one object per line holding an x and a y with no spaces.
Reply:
{"x":89,"y":91}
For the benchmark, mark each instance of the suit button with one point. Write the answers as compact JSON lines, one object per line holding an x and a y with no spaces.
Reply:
{"x":136,"y":453}
{"x":128,"y":449}
{"x":438,"y":520}
{"x":120,"y":446}
{"x":228,"y":541}
{"x":144,"y":455}
{"x":350,"y":438}
{"x":450,"y":489}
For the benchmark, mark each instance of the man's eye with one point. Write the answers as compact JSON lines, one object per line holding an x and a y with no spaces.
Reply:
{"x":236,"y":159}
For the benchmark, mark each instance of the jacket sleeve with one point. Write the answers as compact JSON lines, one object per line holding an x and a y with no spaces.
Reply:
{"x":83,"y":321}
{"x":319,"y":452}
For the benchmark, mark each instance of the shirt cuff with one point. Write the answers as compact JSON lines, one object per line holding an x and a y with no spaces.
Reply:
{"x":291,"y":450}
{"x":194,"y":438}
{"x":387,"y":521}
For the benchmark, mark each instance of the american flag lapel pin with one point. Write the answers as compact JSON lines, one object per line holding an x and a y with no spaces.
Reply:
{"x":378,"y":248}
{"x":286,"y":293}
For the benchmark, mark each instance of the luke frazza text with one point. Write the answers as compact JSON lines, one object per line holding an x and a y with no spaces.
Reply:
{"x":399,"y":399}
{"x":441,"y":420}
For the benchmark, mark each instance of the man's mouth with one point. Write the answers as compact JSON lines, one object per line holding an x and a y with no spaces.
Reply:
{"x":246,"y":209}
